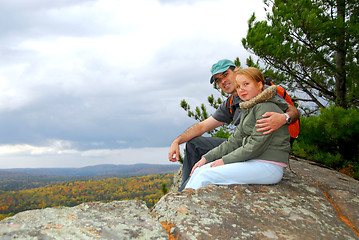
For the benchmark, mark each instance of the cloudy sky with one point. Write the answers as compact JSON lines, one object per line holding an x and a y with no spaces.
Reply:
{"x":100,"y":81}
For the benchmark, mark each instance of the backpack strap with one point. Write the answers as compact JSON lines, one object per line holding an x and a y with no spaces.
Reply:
{"x":268,"y":81}
{"x":229,"y":104}
{"x":280,"y":90}
{"x":283,"y":93}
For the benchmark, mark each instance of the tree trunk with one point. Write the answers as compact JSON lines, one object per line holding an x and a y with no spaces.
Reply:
{"x":340,"y":76}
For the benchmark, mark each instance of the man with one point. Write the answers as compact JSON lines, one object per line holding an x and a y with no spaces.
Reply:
{"x":222,"y":73}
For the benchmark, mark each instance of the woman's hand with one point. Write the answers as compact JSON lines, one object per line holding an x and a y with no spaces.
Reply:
{"x":200,"y":163}
{"x":217,"y":163}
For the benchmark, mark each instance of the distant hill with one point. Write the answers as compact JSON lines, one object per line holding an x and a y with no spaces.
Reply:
{"x":98,"y":170}
{"x":26,"y":178}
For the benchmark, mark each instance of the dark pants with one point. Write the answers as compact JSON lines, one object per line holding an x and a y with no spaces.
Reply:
{"x":195,"y":149}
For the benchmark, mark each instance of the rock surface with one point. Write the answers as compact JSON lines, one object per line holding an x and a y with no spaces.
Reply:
{"x":311,"y":202}
{"x":115,"y":220}
{"x":305,"y":205}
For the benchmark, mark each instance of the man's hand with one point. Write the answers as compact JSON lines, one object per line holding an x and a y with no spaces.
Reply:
{"x":194,"y":131}
{"x":217,"y":163}
{"x":200,"y":163}
{"x":173,"y":153}
{"x":270,"y":122}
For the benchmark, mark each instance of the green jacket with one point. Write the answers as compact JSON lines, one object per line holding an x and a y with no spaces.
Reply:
{"x":246,"y":143}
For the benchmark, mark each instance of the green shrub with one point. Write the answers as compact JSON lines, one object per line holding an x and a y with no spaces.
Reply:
{"x":330,"y":138}
{"x":222,"y":133}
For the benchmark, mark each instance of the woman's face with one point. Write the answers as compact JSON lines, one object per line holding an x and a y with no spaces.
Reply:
{"x":247,"y":88}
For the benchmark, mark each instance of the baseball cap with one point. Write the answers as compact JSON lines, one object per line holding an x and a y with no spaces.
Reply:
{"x":219,"y":67}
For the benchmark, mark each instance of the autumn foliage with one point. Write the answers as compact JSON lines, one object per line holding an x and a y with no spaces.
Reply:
{"x":148,"y":188}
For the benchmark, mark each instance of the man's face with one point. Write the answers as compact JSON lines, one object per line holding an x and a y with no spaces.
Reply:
{"x":225,"y":81}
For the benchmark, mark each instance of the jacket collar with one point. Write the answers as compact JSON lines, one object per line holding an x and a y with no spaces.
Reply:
{"x":267,"y":94}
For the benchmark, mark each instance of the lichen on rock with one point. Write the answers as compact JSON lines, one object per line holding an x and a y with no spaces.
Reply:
{"x":114,"y":220}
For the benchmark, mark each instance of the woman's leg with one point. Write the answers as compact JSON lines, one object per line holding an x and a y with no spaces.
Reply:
{"x":195,"y":148}
{"x":249,"y":172}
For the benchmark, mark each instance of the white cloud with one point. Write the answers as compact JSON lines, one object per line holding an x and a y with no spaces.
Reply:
{"x":108,"y":74}
{"x":21,"y":156}
{"x":53,"y":147}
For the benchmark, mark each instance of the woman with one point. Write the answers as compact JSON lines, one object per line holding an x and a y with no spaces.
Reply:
{"x":248,"y":156}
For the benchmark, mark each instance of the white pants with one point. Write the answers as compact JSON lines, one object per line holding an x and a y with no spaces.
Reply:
{"x":248,"y":172}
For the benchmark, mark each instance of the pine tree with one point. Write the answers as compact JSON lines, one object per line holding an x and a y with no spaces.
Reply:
{"x":312,"y":46}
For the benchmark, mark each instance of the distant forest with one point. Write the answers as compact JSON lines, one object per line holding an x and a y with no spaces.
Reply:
{"x":47,"y":191}
{"x":26,"y":178}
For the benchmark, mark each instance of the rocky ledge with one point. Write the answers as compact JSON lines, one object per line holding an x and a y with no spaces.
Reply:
{"x":311,"y":202}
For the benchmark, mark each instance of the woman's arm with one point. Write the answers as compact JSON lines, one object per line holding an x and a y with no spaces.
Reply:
{"x":256,"y":142}
{"x":233,"y":142}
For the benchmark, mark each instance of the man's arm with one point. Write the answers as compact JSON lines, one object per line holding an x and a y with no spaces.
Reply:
{"x":271,"y":121}
{"x":194,"y":131}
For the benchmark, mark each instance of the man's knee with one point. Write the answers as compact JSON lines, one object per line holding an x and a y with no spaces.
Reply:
{"x":198,"y":146}
{"x":194,"y":142}
{"x":202,"y":144}
{"x":195,"y":147}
